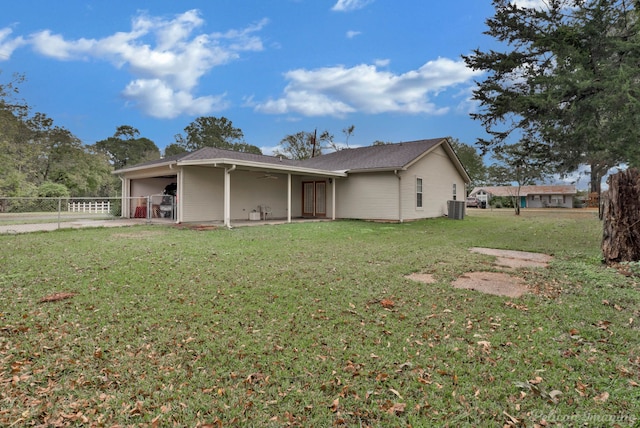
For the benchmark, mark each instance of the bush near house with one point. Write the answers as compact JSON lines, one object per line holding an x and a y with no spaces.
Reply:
{"x":501,"y":202}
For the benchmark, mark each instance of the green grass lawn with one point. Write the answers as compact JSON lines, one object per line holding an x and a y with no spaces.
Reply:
{"x":315,"y":325}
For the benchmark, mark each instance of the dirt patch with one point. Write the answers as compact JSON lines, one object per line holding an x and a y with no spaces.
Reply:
{"x":514,"y":259}
{"x":55,"y":297}
{"x":427,"y":278}
{"x":137,"y":234}
{"x":496,"y":283}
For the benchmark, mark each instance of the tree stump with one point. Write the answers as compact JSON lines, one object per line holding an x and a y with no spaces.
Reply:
{"x":621,"y":215}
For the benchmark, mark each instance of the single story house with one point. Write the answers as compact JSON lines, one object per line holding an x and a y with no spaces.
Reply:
{"x":530,"y":196}
{"x":396,"y":182}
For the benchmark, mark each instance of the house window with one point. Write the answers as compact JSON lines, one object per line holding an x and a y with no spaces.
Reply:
{"x":418,"y":192}
{"x":557,"y":199}
{"x":454,"y":191}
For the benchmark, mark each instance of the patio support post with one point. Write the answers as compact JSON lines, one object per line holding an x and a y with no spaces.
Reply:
{"x":333,"y":200}
{"x":227,"y":195}
{"x":178,"y":198}
{"x":289,"y":198}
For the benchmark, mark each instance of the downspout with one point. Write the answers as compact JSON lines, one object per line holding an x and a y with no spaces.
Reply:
{"x":227,"y":195}
{"x":333,"y":199}
{"x":395,"y":171}
{"x":289,"y":198}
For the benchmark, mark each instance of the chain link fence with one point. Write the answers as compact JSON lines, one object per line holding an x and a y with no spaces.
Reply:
{"x":19,"y":215}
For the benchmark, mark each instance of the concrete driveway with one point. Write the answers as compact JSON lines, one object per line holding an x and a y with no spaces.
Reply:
{"x":76,"y":224}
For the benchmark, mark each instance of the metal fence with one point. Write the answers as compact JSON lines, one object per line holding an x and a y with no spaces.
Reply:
{"x":18,"y":215}
{"x":152,"y":207}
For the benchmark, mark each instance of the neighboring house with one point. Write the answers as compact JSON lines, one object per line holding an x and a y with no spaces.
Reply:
{"x":397,"y":182}
{"x":530,"y":196}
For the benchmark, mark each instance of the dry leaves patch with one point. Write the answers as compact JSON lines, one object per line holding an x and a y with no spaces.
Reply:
{"x":56,"y":297}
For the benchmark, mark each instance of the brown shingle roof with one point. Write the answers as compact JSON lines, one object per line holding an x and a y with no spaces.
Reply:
{"x":382,"y":157}
{"x":387,"y":156}
{"x":215,"y":153}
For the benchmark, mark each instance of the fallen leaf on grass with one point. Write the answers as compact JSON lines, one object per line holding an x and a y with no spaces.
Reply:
{"x":397,"y":408}
{"x":387,"y":303}
{"x":601,"y":397}
{"x":517,"y":306}
{"x":512,"y":421}
{"x":554,"y":394}
{"x":396,"y":393}
{"x":335,"y":405}
{"x":56,"y":297}
{"x":536,"y":381}
{"x":486,"y":346}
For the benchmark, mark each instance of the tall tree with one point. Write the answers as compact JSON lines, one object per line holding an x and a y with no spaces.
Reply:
{"x":523,"y":163}
{"x":126,"y":148}
{"x":298,"y":146}
{"x":305,"y":145}
{"x":8,"y":96}
{"x":566,"y":80}
{"x":472,"y":162}
{"x":174,"y":149}
{"x":14,"y":165}
{"x":40,"y":158}
{"x":216,"y":132}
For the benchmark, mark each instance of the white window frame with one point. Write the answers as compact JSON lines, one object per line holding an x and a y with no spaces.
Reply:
{"x":419,"y":193}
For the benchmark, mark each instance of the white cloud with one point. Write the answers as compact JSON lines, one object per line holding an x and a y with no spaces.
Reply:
{"x":166,"y":56}
{"x":7,"y":44}
{"x":351,"y":34}
{"x":533,"y":4}
{"x":160,"y":100}
{"x":338,"y":91}
{"x":349,"y":5}
{"x":55,"y":46}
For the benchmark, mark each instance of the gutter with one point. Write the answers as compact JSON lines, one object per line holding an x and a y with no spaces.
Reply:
{"x":227,"y":195}
{"x":263,"y":166}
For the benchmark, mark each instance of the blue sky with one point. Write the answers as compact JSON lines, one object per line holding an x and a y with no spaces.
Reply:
{"x":393,"y":69}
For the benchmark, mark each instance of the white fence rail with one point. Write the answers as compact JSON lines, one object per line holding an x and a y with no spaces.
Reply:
{"x":25,"y":214}
{"x":91,"y":207}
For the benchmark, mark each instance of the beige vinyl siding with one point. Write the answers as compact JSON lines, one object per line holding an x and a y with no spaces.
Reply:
{"x":202,"y":198}
{"x":371,"y":196}
{"x":249,"y":189}
{"x":150,"y":186}
{"x":438,"y":177}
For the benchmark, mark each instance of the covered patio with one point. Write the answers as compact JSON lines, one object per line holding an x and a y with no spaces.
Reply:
{"x":235,"y":191}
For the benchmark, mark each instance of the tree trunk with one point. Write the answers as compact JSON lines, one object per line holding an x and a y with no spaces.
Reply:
{"x":621,"y":212}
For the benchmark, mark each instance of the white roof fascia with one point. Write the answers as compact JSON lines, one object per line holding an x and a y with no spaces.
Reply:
{"x":381,"y":169}
{"x":143,"y":167}
{"x":262,"y":166}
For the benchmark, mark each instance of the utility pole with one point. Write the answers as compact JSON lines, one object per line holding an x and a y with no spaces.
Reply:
{"x":313,"y":149}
